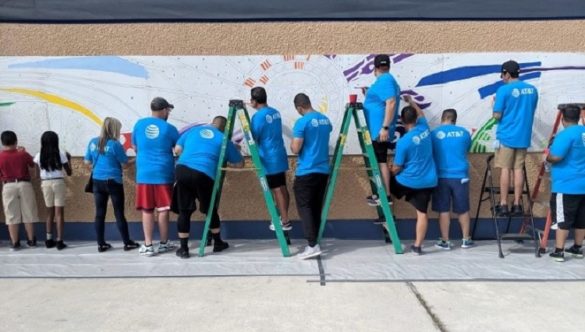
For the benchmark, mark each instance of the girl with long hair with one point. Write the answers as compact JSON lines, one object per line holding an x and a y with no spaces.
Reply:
{"x":106,"y":155}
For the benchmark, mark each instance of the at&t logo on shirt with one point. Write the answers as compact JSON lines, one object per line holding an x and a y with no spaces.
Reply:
{"x":440,"y":134}
{"x":583,"y":138}
{"x":151,"y":131}
{"x":206,"y":133}
{"x":315,"y":123}
{"x":268,"y":118}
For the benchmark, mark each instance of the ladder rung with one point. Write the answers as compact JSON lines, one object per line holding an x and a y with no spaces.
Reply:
{"x":516,"y":236}
{"x":354,"y":168}
{"x":236,"y":169}
{"x":496,"y":190}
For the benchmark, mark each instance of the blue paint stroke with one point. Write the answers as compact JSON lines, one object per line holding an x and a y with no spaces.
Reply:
{"x":112,"y":64}
{"x":462,"y":73}
{"x":490,"y":89}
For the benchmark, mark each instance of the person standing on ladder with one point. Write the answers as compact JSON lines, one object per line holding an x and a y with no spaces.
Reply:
{"x":381,"y":113}
{"x":415,"y":174}
{"x":451,"y":144}
{"x":153,"y":139}
{"x":567,"y":201}
{"x":198,"y":150}
{"x":266,"y":128}
{"x":311,"y":142}
{"x":514,"y":108}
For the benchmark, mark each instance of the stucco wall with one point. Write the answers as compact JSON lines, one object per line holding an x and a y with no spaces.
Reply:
{"x":242,"y":198}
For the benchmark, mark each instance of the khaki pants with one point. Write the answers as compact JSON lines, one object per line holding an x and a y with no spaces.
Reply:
{"x":54,"y":192}
{"x":510,"y":158}
{"x":19,"y":202}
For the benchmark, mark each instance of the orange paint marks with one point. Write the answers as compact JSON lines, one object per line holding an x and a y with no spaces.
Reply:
{"x":250,"y":82}
{"x":265,"y":65}
{"x":299,"y":65}
{"x":264,"y":79}
{"x":288,"y":57}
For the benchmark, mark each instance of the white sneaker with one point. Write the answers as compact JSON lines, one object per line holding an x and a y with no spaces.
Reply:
{"x":288,"y":227}
{"x":146,"y":250}
{"x":164,"y":247}
{"x":310,"y":252}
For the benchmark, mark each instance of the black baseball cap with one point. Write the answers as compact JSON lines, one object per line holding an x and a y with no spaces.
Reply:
{"x":159,"y":104}
{"x":511,"y":67}
{"x":381,"y":60}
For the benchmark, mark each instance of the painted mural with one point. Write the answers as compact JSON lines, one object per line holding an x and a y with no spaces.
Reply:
{"x":72,"y":95}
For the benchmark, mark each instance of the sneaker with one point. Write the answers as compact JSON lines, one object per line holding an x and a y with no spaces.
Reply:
{"x":130,"y":245}
{"x":61,"y":245}
{"x":15,"y":246}
{"x":146,"y":250}
{"x":554,"y":226}
{"x":183,"y":253}
{"x":517,"y":211}
{"x":165,"y":246}
{"x":445,"y":245}
{"x":50,"y":243}
{"x":373,"y":200}
{"x":559,"y":256}
{"x":32,"y":243}
{"x":575,"y":252}
{"x":220,"y":246}
{"x":501,"y":210}
{"x":104,"y":247}
{"x":310,"y":252}
{"x":285,"y":227}
{"x":416,"y":250}
{"x":467,"y":243}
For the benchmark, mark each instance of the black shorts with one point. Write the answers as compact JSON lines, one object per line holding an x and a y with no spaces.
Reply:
{"x":191,"y":185}
{"x":276,"y":180}
{"x":419,"y":198}
{"x":568,"y":211}
{"x":381,"y":151}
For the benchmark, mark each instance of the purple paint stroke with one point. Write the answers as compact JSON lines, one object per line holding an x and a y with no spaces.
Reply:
{"x":331,"y":56}
{"x":401,"y":56}
{"x":553,"y":68}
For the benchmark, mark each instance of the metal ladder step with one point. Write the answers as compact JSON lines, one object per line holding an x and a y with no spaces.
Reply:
{"x":516,"y":236}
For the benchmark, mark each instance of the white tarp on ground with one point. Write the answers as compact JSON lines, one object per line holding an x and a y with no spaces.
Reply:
{"x":72,"y":95}
{"x":343,"y":260}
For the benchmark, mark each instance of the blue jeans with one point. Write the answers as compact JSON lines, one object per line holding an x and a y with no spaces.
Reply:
{"x":102,"y":190}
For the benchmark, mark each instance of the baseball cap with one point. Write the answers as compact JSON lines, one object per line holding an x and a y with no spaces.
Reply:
{"x":511,"y":67}
{"x":382,"y":60}
{"x":159,"y":104}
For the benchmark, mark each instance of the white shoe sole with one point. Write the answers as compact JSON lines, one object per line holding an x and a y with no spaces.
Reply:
{"x":318,"y":253}
{"x":446,"y":249}
{"x":286,"y":229}
{"x":147,"y":254}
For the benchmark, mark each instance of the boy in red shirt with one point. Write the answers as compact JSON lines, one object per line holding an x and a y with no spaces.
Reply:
{"x":18,"y":196}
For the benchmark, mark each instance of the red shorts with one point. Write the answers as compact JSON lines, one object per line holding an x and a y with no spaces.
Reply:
{"x":154,"y":196}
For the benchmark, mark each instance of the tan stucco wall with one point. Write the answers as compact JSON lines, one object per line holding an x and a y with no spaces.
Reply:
{"x":242,"y":198}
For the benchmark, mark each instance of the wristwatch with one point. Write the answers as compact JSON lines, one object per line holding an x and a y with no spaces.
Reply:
{"x":385,"y":127}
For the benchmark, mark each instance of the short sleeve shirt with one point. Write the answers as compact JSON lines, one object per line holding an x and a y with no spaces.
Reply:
{"x":414,"y":153}
{"x":451,"y":144}
{"x":54,"y":174}
{"x":314,"y":128}
{"x":568,"y":175}
{"x":384,"y":88}
{"x":516,"y":101}
{"x":107,"y":165}
{"x":266,"y":129}
{"x":154,"y":139}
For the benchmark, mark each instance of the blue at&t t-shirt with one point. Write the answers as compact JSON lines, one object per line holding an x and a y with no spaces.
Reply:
{"x":450,"y":146}
{"x":516,"y":101}
{"x":266,"y":129}
{"x":201,"y":148}
{"x":384,"y":88}
{"x":314,"y":128}
{"x":107,"y":165}
{"x":414,"y":153}
{"x":568,"y":175}
{"x":154,"y":140}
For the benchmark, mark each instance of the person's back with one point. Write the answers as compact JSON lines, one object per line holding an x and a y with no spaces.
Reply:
{"x":384,"y":88}
{"x":315,"y":129}
{"x":106,"y":165}
{"x":451,"y":144}
{"x":516,"y":101}
{"x":154,"y":139}
{"x":14,"y":165}
{"x":201,"y":149}
{"x":414,"y":151}
{"x":568,"y":175}
{"x":266,"y":128}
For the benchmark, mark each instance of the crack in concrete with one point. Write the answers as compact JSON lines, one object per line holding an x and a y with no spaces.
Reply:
{"x":436,"y":320}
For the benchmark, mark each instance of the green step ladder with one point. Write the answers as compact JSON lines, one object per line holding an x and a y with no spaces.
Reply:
{"x":355,"y":111}
{"x":236,"y":108}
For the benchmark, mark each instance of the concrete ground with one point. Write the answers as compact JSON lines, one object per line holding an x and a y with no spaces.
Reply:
{"x":287,"y":304}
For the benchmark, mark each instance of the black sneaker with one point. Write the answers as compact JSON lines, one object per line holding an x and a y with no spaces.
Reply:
{"x":517,"y":211}
{"x":50,"y":243}
{"x":558,"y":256}
{"x":416,"y":250}
{"x":220,"y":246}
{"x":130,"y":245}
{"x":501,"y":210}
{"x":575,"y":252}
{"x":32,"y":243}
{"x":373,"y":200}
{"x":104,"y":247}
{"x":61,"y":245}
{"x":183,"y":252}
{"x":209,"y":238}
{"x":15,"y":246}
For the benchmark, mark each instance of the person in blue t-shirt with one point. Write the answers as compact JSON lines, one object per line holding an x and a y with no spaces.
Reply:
{"x":311,"y":142}
{"x":266,"y":129}
{"x":381,"y":112}
{"x":451,"y":144}
{"x":415,"y":174}
{"x":514,"y":108}
{"x":567,"y":201}
{"x":153,"y":139}
{"x":106,"y":155}
{"x":198,"y":150}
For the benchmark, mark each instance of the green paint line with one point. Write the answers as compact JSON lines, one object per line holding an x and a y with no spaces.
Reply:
{"x":5,"y":103}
